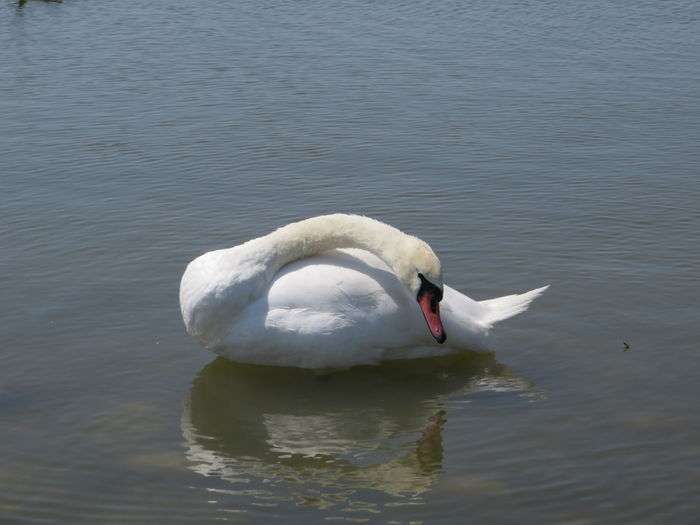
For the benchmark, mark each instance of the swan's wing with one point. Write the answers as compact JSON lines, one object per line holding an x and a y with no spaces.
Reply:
{"x":349,"y":281}
{"x":341,"y":308}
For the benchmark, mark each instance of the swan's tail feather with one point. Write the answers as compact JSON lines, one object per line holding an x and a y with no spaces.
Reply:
{"x":501,"y":308}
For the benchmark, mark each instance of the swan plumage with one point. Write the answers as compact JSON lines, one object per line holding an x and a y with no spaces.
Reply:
{"x":332,"y":291}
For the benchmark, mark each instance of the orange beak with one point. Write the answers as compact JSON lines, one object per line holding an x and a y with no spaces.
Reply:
{"x":429,"y":297}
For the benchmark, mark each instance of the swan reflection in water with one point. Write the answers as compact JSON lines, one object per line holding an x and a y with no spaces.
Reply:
{"x":281,"y":433}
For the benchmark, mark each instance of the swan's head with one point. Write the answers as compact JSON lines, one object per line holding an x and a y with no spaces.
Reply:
{"x":420,"y":271}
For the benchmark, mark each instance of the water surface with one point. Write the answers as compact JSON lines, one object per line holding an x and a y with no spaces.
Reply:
{"x":528,"y":142}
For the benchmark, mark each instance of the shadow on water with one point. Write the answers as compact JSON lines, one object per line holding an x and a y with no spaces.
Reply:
{"x":377,"y":428}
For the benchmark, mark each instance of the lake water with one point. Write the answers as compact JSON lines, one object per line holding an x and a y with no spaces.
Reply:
{"x":527,"y":142}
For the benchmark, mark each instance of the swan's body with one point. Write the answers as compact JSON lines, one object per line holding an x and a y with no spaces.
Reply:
{"x":293,"y":298}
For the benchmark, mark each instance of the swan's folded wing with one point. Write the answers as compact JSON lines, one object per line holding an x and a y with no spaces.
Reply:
{"x":338,"y":309}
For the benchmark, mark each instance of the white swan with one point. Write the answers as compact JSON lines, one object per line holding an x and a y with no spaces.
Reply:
{"x":333,"y":291}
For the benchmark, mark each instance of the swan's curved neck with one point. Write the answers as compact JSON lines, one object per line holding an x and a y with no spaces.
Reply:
{"x":314,"y":236}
